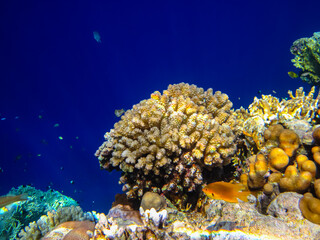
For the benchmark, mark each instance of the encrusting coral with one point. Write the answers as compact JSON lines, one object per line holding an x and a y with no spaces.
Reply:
{"x":163,"y":143}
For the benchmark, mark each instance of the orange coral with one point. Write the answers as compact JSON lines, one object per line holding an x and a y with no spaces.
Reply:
{"x":278,"y":159}
{"x":289,"y":141}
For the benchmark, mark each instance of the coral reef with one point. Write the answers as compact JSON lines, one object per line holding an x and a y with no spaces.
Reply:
{"x":39,"y":203}
{"x":307,"y":58}
{"x":163,"y":143}
{"x":38,"y":229}
{"x":269,"y":110}
{"x":220,"y":220}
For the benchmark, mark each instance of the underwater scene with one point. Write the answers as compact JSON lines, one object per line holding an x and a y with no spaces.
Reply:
{"x":154,"y":120}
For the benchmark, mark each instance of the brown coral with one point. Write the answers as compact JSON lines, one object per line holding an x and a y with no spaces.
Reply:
{"x":294,"y":181}
{"x":310,"y":208}
{"x":316,"y":135}
{"x":174,"y":136}
{"x":257,"y":171}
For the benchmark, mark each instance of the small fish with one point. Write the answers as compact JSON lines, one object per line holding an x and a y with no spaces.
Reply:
{"x":226,"y":191}
{"x":119,"y":112}
{"x":6,"y":200}
{"x":259,"y":92}
{"x":96,"y":36}
{"x":274,"y":91}
{"x":293,"y":74}
{"x":56,"y":125}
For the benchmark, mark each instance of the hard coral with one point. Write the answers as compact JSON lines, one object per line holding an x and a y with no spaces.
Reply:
{"x":152,"y":200}
{"x":269,"y":110}
{"x":289,"y":141}
{"x":278,"y":159}
{"x":294,"y":181}
{"x":310,"y":208}
{"x":163,"y":143}
{"x":257,"y":171}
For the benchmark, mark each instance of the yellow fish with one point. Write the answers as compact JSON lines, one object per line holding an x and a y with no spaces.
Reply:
{"x":293,"y":75}
{"x":226,"y":191}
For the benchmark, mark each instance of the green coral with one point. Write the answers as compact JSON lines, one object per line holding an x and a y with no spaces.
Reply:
{"x":307,"y":58}
{"x":39,"y":204}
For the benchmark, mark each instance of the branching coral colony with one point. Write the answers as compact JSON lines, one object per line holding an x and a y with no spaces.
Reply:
{"x":165,"y":143}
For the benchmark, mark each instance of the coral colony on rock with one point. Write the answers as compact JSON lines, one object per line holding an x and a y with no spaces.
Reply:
{"x":194,"y":168}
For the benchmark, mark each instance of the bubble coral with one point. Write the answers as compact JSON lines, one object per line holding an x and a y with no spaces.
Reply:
{"x":289,"y":141}
{"x":310,"y":208}
{"x":278,"y":159}
{"x":163,"y":143}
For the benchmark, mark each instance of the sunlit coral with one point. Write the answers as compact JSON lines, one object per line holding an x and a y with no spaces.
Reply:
{"x":171,"y":135}
{"x":268,"y":110}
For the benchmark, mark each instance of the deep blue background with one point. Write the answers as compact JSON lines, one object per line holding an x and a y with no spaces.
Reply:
{"x":51,"y":66}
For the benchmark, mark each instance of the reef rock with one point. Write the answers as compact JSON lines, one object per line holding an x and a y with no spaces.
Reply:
{"x":284,"y":221}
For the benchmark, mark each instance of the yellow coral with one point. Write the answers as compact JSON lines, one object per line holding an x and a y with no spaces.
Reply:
{"x":278,"y":159}
{"x":269,"y":110}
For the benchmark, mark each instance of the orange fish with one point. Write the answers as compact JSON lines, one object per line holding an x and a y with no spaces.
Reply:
{"x":226,"y":191}
{"x":6,"y":200}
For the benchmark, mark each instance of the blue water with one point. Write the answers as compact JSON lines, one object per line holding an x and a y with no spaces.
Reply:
{"x":53,"y":71}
